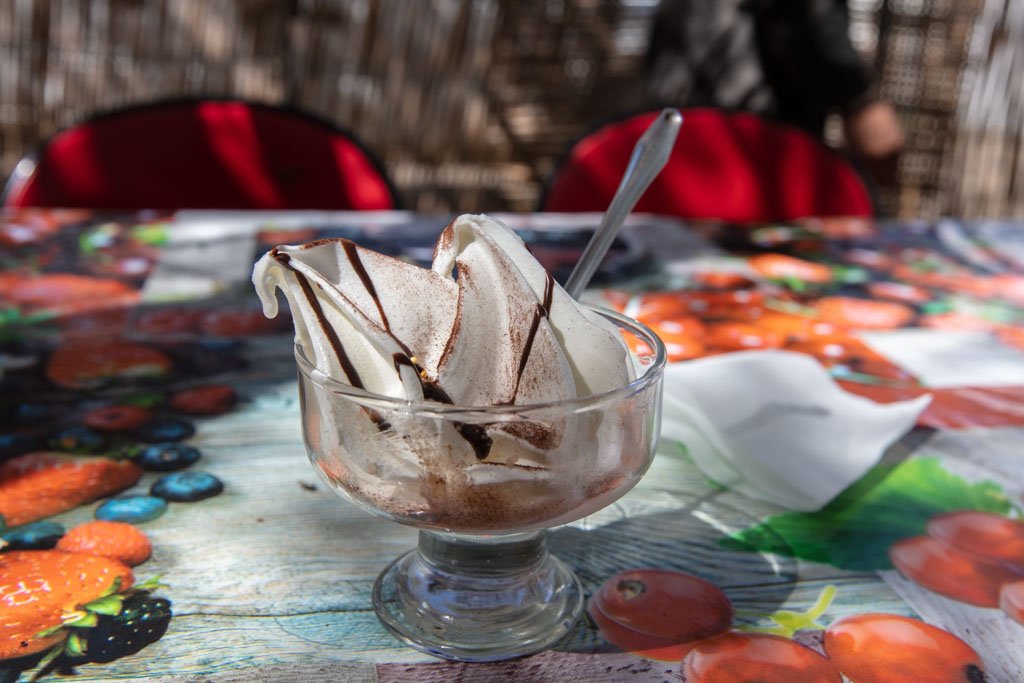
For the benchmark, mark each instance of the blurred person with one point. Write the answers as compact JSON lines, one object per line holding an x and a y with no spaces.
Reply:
{"x":787,"y":59}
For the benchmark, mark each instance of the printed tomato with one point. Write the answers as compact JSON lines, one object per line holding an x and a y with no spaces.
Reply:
{"x":782,"y":267}
{"x":981,"y":534}
{"x":756,"y":657}
{"x":682,"y":337}
{"x":730,"y":336}
{"x":722,"y":279}
{"x":947,"y":571}
{"x":794,"y":327}
{"x":897,"y":291}
{"x":957,"y":321}
{"x":863,"y":313}
{"x":880,"y":648}
{"x":661,"y":306}
{"x":1011,"y":600}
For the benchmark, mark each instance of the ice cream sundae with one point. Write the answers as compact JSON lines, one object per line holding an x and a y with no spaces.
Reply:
{"x":472,"y":396}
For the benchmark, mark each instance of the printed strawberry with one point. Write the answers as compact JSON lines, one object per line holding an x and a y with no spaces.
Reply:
{"x":841,"y":227}
{"x":954,"y":320}
{"x":142,"y":621}
{"x":65,"y":293}
{"x":722,"y":279}
{"x":37,"y":485}
{"x":273,"y":237}
{"x":43,"y":590}
{"x":166,"y":321}
{"x":212,"y":399}
{"x":117,"y":418}
{"x":897,"y":291}
{"x":22,"y":230}
{"x":91,"y":326}
{"x":117,"y":540}
{"x":782,"y":267}
{"x":235,"y":323}
{"x":89,"y":364}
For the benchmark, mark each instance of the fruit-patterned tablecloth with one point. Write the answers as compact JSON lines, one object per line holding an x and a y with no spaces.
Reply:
{"x":161,"y":521}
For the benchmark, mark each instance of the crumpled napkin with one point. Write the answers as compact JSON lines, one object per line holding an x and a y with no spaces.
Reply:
{"x":773,"y":425}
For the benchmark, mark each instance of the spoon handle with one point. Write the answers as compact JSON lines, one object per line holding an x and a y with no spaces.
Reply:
{"x":649,"y":156}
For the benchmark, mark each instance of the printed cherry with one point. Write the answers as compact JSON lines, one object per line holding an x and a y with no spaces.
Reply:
{"x":634,"y":642}
{"x":950,"y":572}
{"x":668,"y":604}
{"x":756,"y":658}
{"x":877,"y":648}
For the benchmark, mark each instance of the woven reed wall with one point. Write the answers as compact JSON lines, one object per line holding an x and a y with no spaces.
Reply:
{"x":468,"y":102}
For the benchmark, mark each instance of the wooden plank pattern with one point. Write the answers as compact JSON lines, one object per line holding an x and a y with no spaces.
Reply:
{"x":270,"y":573}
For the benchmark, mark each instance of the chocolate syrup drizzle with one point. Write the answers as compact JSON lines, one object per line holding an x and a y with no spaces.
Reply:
{"x":475,"y":435}
{"x":332,"y":337}
{"x":543,"y":310}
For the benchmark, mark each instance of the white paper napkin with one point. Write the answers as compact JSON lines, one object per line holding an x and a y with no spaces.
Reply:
{"x":774,"y":425}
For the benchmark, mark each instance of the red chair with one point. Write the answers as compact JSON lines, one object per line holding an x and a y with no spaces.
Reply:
{"x":202,"y":154}
{"x":736,"y":167}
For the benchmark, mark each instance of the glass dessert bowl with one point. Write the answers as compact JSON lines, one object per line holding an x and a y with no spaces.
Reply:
{"x":481,"y":484}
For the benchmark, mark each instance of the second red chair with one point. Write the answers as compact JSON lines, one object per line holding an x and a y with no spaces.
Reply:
{"x":735,"y":167}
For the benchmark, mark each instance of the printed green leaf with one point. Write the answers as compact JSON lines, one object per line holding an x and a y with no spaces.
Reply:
{"x":113,"y":588}
{"x":154,"y":234}
{"x":47,"y":632}
{"x":855,"y":530}
{"x":109,"y":605}
{"x":87,"y":620}
{"x":850,"y":275}
{"x":75,"y":645}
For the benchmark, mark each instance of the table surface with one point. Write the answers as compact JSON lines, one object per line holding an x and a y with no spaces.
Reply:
{"x":276,"y":571}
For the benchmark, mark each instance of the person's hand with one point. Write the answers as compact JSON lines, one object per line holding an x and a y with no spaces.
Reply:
{"x":875,"y":137}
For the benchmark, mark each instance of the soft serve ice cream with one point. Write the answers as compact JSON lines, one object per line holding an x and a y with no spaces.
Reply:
{"x":485,"y":326}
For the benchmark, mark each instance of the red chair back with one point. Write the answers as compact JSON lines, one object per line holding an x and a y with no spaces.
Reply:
{"x":204,"y":154}
{"x":736,"y":167}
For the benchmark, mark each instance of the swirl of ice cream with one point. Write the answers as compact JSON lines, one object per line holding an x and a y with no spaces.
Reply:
{"x":485,"y":326}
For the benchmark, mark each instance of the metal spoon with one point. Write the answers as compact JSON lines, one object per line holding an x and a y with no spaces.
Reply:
{"x":649,"y":156}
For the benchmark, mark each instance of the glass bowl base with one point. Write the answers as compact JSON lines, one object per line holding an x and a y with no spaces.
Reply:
{"x":477,"y":599}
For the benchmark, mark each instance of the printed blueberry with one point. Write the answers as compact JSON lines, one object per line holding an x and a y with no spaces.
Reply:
{"x":34,"y":412}
{"x":79,"y":440}
{"x":18,"y":443}
{"x":165,"y":429}
{"x":131,"y":509}
{"x":186,"y":487}
{"x":166,"y":457}
{"x":209,"y":357}
{"x":34,"y":536}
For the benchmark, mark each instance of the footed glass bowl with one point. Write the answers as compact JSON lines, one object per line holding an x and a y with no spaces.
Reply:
{"x":481,"y":484}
